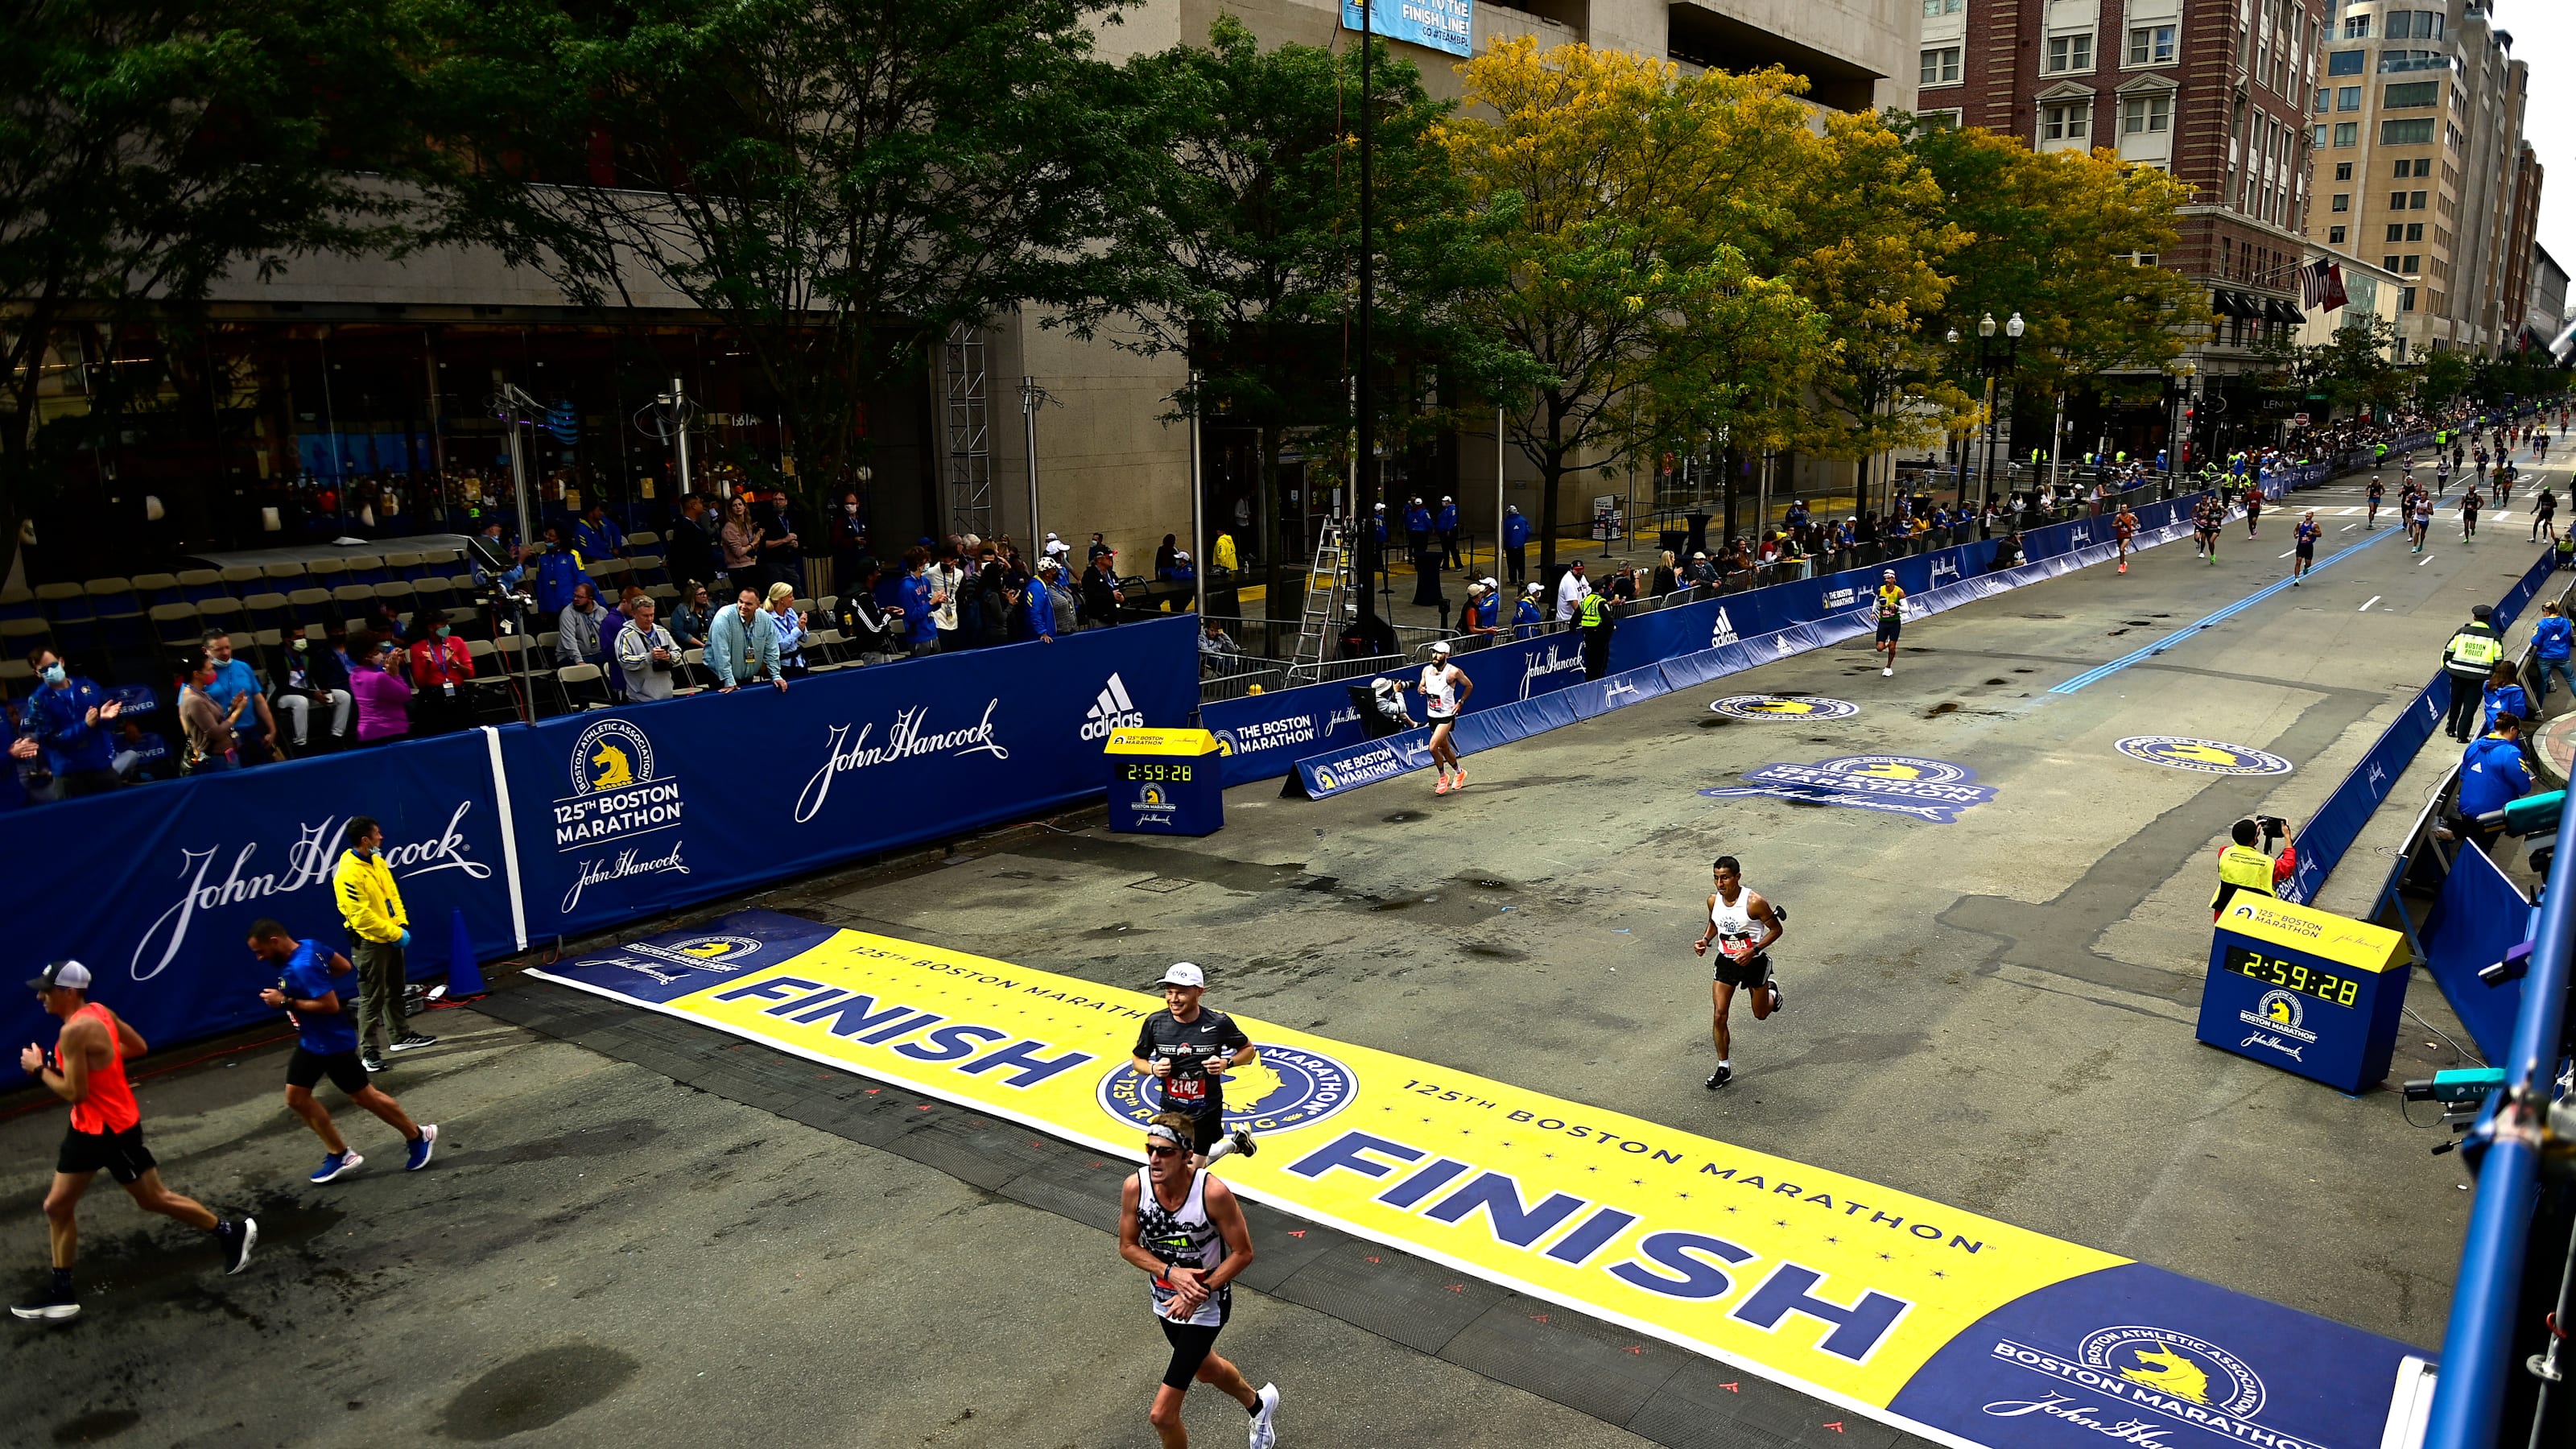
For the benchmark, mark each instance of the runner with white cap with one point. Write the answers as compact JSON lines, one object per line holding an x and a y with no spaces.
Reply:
{"x":1444,"y":688}
{"x":1188,"y":1049}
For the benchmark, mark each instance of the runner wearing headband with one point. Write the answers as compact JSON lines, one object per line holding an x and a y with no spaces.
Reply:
{"x":1444,"y":689}
{"x":1183,"y":1226}
{"x":1891,"y":619}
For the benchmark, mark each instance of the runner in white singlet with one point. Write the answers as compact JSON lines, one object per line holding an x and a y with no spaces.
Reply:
{"x":1743,"y":926}
{"x":1183,"y":1226}
{"x":1444,"y":688}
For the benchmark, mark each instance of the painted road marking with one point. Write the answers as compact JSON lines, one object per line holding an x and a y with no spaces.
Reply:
{"x":2349,"y":512}
{"x":2104,"y":671}
{"x":2428,"y":558}
{"x":2365,"y":608}
{"x":1902,"y":1308}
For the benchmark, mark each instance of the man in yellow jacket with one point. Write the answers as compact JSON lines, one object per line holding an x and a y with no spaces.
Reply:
{"x":373,"y":909}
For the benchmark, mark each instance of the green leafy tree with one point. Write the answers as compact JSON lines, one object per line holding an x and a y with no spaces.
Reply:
{"x":2441,"y":377}
{"x":148,"y":149}
{"x":1237,"y":243}
{"x":839,"y":182}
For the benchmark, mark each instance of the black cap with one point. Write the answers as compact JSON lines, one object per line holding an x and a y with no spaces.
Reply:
{"x":62,"y":975}
{"x":2481,"y":612}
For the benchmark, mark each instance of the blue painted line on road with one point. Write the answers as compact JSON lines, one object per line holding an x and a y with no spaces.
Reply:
{"x":2105,"y":671}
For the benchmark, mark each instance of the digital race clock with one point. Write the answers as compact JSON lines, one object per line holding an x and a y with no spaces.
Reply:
{"x":1138,"y":772}
{"x":2304,"y":990}
{"x":2307,"y":980}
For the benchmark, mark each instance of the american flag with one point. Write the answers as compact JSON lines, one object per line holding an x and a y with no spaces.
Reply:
{"x":2321,"y":283}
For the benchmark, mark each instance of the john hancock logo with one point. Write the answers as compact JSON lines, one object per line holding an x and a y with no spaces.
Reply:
{"x":1283,"y":1087}
{"x":2142,"y":1386}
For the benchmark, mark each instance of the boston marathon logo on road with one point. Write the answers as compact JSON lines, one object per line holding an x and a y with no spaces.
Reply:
{"x":1805,"y":709}
{"x":2142,"y":1385}
{"x":1934,"y":790}
{"x":2207,"y":757}
{"x":1284,"y":1087}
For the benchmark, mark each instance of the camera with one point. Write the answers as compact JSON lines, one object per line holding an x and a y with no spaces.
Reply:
{"x":2274,"y":827}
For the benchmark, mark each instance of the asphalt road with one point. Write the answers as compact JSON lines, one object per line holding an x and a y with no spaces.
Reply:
{"x":1996,"y":1013}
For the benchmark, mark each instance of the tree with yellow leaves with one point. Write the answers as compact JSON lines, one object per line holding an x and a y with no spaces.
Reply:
{"x":1625,"y":195}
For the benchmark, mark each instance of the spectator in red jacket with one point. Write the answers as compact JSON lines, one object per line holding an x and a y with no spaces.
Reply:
{"x":441,"y":666}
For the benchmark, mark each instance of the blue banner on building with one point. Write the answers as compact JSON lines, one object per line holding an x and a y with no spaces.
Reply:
{"x":1446,"y":25}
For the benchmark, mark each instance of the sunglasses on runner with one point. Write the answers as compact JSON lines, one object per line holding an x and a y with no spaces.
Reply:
{"x":1162,"y":1152}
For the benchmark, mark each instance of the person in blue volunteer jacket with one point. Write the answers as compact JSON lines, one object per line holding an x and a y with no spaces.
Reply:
{"x":2492,"y":776}
{"x":1445,"y":523}
{"x":1526,"y":618}
{"x":1036,"y":607}
{"x":69,"y":716}
{"x":2550,"y":641}
{"x":559,"y":569}
{"x":2504,"y":695}
{"x":1516,"y":534}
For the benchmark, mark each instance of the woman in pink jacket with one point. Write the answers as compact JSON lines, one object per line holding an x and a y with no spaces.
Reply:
{"x":384,"y":701}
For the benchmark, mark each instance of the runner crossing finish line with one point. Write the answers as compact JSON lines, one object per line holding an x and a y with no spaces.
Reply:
{"x":1957,"y":1327}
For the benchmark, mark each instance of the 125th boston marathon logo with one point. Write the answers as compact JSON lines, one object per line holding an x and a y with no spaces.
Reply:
{"x":1806,"y":709}
{"x":2119,"y":1378}
{"x":616,"y":799}
{"x":1934,"y":790}
{"x":2280,"y":1022}
{"x":1282,"y":1088}
{"x":2205,"y":757}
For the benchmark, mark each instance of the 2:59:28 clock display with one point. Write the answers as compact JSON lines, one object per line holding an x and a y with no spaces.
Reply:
{"x":2293,"y":976}
{"x":1138,"y":772}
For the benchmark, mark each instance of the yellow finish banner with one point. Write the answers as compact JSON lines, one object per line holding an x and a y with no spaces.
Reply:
{"x":1835,"y":1285}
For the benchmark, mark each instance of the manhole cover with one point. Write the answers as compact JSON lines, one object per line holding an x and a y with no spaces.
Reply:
{"x":1161,"y":885}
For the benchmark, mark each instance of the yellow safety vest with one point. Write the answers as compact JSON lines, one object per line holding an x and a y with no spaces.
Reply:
{"x":2471,"y":647}
{"x":1591,"y":614}
{"x":2245,"y":868}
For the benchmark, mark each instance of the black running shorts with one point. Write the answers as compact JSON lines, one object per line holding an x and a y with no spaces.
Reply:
{"x":2307,"y":550}
{"x":1191,"y":1345}
{"x":121,"y":1155}
{"x":1888,"y":629}
{"x":1205,"y":1129}
{"x":1746,"y":974}
{"x":346,"y":1072}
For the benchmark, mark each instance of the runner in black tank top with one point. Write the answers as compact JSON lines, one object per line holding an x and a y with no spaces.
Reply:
{"x":1182,"y":1225}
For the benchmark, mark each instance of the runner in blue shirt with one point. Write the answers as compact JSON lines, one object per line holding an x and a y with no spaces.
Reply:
{"x":326,"y":1045}
{"x":2304,"y":539}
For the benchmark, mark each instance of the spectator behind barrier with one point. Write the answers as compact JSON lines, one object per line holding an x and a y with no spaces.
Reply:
{"x":312,"y":677}
{"x":578,"y":628}
{"x":206,"y":724}
{"x":441,"y":669}
{"x":646,"y":654}
{"x":689,"y":622}
{"x":384,"y":701}
{"x":237,"y":690}
{"x":742,"y":647}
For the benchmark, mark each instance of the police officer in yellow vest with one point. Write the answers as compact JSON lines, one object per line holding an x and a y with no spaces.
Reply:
{"x":2242,"y":865}
{"x":1592,"y":617}
{"x":2468,"y":659}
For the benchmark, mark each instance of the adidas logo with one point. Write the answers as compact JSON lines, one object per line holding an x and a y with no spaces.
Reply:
{"x":1113,"y":710}
{"x":1723,"y":632}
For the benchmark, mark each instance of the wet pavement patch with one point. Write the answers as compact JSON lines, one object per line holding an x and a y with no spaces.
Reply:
{"x":96,"y":1427}
{"x":534,"y":1390}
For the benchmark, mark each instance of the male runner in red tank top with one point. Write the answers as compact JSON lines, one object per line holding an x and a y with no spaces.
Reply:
{"x":88,"y":1071}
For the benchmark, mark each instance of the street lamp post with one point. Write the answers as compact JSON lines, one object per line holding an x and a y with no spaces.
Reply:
{"x":1995,"y":361}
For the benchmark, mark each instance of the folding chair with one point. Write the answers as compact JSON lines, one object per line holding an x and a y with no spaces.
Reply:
{"x":241,"y":579}
{"x":327,"y":573}
{"x":18,"y":637}
{"x":579,"y":683}
{"x":202,"y":584}
{"x":403,"y":566}
{"x":282,"y":573}
{"x":176,"y":626}
{"x":68,"y":606}
{"x":224,"y":614}
{"x":312,"y":607}
{"x":151,"y":589}
{"x":271,"y":612}
{"x":642,"y":538}
{"x":691,"y":677}
{"x":119,"y":613}
{"x":17,"y":678}
{"x":366,"y":568}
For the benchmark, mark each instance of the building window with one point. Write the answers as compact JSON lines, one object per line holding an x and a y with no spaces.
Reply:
{"x":2413,"y":265}
{"x":2344,"y":62}
{"x":2142,"y":114}
{"x":1938,"y":120}
{"x":2396,"y":232}
{"x":2323,"y":95}
{"x":2397,"y":201}
{"x":2423,"y":167}
{"x":2342,"y":201}
{"x":2391,"y":61}
{"x":2415,"y":200}
{"x":2070,"y":53}
{"x":2406,"y":133}
{"x":1941,"y":67}
{"x":2415,"y":24}
{"x":2334,"y":234}
{"x":2405,"y":295}
{"x":2347,"y":98}
{"x":2414,"y":231}
{"x":1932,"y":8}
{"x":2343,"y":171}
{"x":2347,"y":133}
{"x":2151,"y":45}
{"x":2411,"y":95}
{"x":2355,"y":27}
{"x":2066,"y":121}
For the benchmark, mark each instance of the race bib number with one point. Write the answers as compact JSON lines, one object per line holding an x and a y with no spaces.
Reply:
{"x":1185,"y":1094}
{"x":1735,"y":948}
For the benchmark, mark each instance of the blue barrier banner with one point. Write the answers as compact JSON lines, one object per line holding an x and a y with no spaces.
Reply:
{"x":643,"y":810}
{"x":2480,"y":916}
{"x":2339,"y":820}
{"x":1263,"y":734}
{"x":155,"y":889}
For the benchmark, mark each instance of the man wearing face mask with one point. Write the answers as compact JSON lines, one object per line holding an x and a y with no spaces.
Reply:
{"x":69,"y":717}
{"x":441,"y":666}
{"x":237,"y":689}
{"x":312,"y":676}
{"x":372,"y":907}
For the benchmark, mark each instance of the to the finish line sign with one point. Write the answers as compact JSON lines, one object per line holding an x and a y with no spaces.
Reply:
{"x":1933,"y":790}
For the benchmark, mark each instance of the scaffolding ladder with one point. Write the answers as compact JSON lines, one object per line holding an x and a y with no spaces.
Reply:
{"x":1325,"y":600}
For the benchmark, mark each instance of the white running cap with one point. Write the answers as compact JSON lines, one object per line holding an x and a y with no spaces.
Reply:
{"x":1182,"y":973}
{"x":1439,"y":646}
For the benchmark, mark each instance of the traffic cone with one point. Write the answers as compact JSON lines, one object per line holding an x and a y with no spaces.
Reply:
{"x":464,"y":973}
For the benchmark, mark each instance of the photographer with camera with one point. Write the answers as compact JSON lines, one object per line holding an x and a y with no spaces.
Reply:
{"x":2243,"y":865}
{"x":645,"y":653}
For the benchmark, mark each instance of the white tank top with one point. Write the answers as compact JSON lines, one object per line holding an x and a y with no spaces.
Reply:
{"x":1736,"y":928}
{"x":1439,"y":696}
{"x":1184,"y":1238}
